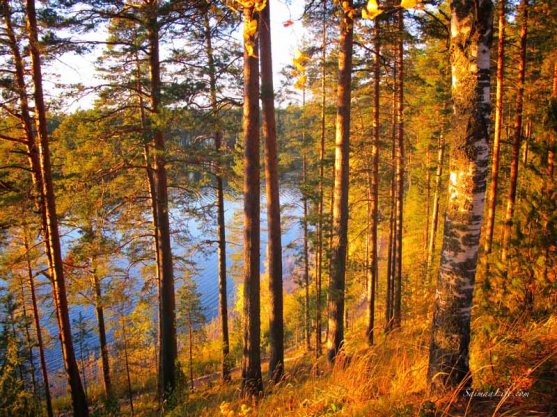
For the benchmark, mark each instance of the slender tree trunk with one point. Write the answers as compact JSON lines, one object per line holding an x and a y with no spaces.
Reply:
{"x":517,"y":137}
{"x":79,"y":401}
{"x":389,"y":292}
{"x":168,"y":347}
{"x":492,"y":203}
{"x":221,"y":232}
{"x":335,"y":337}
{"x":252,"y":383}
{"x":435,"y":212}
{"x":127,"y":364}
{"x":428,"y":197}
{"x":373,"y":268}
{"x":190,"y":334}
{"x":551,"y":144}
{"x":391,"y":259}
{"x":37,"y":321}
{"x":306,"y":252}
{"x":471,"y":35}
{"x":319,"y":257}
{"x":399,"y":163}
{"x":99,"y":309}
{"x":527,"y":137}
{"x":152,"y":195}
{"x":276,"y":322}
{"x":31,"y":358}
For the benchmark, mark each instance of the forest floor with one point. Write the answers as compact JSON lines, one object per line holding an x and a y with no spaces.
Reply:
{"x":515,"y":374}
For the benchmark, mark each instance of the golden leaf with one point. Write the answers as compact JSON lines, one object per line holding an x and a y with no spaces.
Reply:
{"x":260,"y":5}
{"x":250,"y":28}
{"x":299,"y":59}
{"x":408,"y":4}
{"x":301,"y":82}
{"x":371,"y":10}
{"x":249,"y":49}
{"x":300,"y":56}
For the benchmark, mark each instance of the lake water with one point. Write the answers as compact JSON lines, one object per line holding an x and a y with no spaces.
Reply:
{"x":206,"y":275}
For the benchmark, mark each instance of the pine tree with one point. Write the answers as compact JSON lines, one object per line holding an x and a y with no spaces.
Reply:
{"x":335,"y":337}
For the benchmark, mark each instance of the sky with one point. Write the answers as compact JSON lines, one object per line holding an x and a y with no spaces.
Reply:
{"x":71,"y":68}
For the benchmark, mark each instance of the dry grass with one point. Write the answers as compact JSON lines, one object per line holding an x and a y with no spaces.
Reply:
{"x":389,"y":379}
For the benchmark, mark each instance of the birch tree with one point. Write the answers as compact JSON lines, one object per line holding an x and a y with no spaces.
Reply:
{"x":471,"y":35}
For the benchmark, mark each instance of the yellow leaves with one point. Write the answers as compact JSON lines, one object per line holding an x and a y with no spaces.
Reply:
{"x":250,"y":49}
{"x":299,"y":63}
{"x":301,"y":82}
{"x":299,"y":60}
{"x":226,"y":411}
{"x":250,"y":29}
{"x":259,"y":5}
{"x":250,"y":24}
{"x":244,"y":410}
{"x":408,"y":4}
{"x":372,"y":10}
{"x":236,"y":5}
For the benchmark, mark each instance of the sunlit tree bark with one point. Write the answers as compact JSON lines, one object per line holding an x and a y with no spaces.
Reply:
{"x":276,"y":322}
{"x":399,"y":172}
{"x":37,"y":321}
{"x":517,"y":136}
{"x":435,"y":209}
{"x":252,"y":383}
{"x":471,"y":35}
{"x":167,"y":332}
{"x":497,"y":129}
{"x":54,"y":251}
{"x":374,"y":190}
{"x":320,"y":234}
{"x":335,"y":336}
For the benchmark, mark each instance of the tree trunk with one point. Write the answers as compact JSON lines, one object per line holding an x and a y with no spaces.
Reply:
{"x":102,"y":333}
{"x":31,"y":358}
{"x":399,"y":175}
{"x":492,"y":203}
{"x":37,"y":321}
{"x":190,"y":333}
{"x":79,"y":401}
{"x":127,"y":364}
{"x":551,"y":144}
{"x":221,"y":232}
{"x":252,"y":383}
{"x":471,"y":33}
{"x":307,"y":323}
{"x":428,"y":197}
{"x":340,"y":208}
{"x":168,"y":347}
{"x":527,"y":137}
{"x":435,"y":212}
{"x":374,"y":190}
{"x":319,"y":255}
{"x":391,"y":257}
{"x":276,"y":324}
{"x":152,"y":192}
{"x":517,"y":139}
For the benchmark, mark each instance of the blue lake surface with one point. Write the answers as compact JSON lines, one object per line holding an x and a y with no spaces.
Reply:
{"x":206,"y":267}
